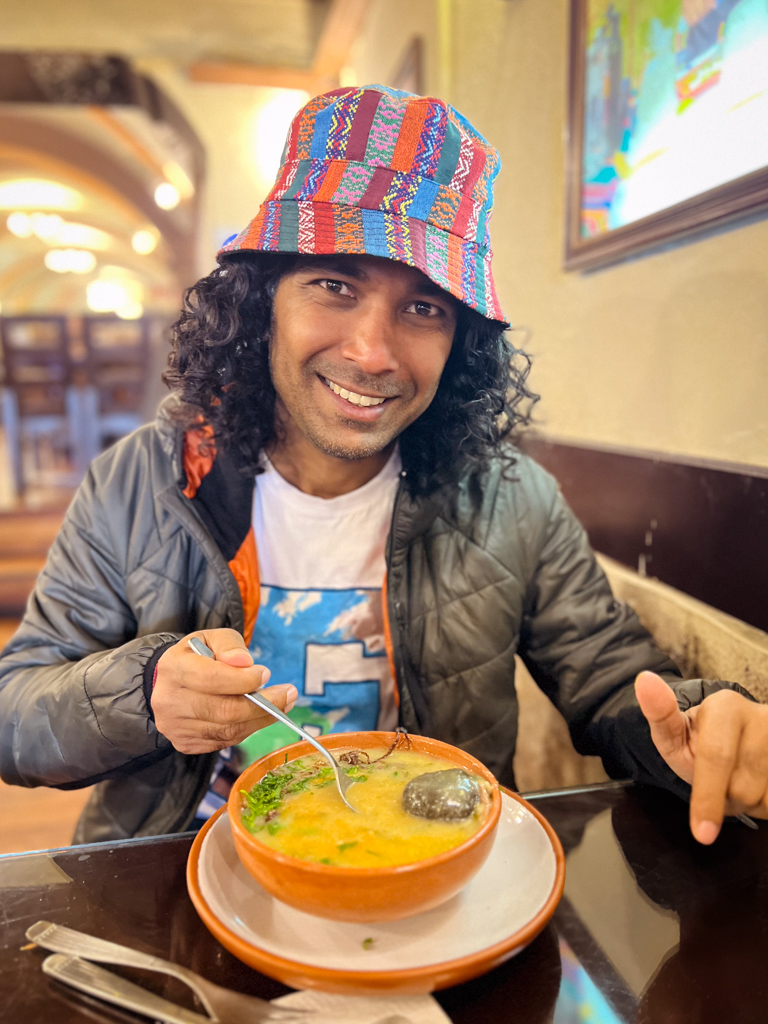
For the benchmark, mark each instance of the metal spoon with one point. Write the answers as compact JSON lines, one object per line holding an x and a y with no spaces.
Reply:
{"x":343,"y":781}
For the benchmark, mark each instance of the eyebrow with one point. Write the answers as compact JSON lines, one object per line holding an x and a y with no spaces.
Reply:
{"x":334,"y":264}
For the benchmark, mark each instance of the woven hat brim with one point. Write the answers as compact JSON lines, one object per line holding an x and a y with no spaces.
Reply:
{"x":456,"y":265}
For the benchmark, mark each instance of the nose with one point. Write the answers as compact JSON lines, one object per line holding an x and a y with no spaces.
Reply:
{"x":371,"y":340}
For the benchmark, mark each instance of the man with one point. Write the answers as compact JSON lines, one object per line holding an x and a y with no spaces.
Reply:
{"x":348,"y":356}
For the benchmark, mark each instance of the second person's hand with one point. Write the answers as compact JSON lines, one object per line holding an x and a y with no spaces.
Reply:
{"x":198,"y":703}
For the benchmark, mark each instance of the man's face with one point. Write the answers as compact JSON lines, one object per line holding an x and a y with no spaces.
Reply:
{"x":358,"y":346}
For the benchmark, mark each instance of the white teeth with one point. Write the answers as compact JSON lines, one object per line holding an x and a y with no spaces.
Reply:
{"x":352,"y":396}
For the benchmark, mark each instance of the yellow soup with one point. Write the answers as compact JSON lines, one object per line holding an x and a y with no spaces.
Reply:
{"x":296,"y":809}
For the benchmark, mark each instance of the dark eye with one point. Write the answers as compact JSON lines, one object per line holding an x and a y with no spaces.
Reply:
{"x":336,"y":287}
{"x":425,"y":309}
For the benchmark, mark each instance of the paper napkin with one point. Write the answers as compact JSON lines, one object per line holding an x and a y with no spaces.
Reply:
{"x":332,"y":1009}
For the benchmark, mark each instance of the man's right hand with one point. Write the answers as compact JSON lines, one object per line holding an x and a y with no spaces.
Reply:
{"x":198,"y":703}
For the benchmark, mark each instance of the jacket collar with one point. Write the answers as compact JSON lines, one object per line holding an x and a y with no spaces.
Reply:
{"x":170,"y":433}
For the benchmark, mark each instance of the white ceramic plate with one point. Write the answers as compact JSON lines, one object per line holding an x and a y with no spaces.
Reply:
{"x":496,"y":915}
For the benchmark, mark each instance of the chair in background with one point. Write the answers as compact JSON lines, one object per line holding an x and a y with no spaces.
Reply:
{"x":117,"y":360}
{"x":39,"y":402}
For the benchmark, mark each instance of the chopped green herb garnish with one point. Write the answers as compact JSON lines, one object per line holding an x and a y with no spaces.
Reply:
{"x":263,"y":802}
{"x":326,"y":860}
{"x":367,"y":943}
{"x":347,"y":846}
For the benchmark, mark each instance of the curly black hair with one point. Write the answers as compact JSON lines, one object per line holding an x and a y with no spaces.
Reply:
{"x":219,"y":367}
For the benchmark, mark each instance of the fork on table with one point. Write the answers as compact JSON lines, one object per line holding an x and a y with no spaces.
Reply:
{"x":221,"y":1004}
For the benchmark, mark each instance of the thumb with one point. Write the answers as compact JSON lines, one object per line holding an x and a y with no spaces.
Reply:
{"x":658,"y":703}
{"x":228,"y":646}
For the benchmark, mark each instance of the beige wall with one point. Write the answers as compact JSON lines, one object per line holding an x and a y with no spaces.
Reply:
{"x":668,"y":352}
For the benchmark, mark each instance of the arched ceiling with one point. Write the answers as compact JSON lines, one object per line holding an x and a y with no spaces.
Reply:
{"x":75,"y":109}
{"x":108,"y":159}
{"x":26,"y":284}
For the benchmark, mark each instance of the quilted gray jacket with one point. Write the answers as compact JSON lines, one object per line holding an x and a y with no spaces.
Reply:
{"x":473,"y":579}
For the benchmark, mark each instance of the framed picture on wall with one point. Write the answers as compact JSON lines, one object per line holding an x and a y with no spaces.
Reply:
{"x":668,"y":123}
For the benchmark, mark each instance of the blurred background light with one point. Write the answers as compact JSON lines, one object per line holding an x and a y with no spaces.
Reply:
{"x":75,"y":261}
{"x":19,"y":224}
{"x":116,"y":291}
{"x":179,"y":178}
{"x":53,"y":229}
{"x":144,"y":242}
{"x":167,"y":196}
{"x":82,"y":235}
{"x":271,"y":127}
{"x":132,"y":310}
{"x":34,"y":193}
{"x":46,"y":225}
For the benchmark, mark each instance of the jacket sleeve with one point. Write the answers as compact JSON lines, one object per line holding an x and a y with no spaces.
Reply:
{"x":73,"y":706}
{"x":584,"y":649}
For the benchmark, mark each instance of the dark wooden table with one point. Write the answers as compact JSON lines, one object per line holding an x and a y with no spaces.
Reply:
{"x":652,"y":929}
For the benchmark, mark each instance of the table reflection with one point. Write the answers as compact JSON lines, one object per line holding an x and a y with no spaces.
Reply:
{"x":656,"y":929}
{"x":652,"y":928}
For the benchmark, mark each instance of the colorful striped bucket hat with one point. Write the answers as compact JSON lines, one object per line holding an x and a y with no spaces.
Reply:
{"x":373,"y":171}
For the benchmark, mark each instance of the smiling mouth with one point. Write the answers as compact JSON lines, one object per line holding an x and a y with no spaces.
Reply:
{"x":352,"y":396}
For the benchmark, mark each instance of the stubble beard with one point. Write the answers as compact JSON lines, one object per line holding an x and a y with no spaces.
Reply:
{"x":367,"y":447}
{"x":324,"y":439}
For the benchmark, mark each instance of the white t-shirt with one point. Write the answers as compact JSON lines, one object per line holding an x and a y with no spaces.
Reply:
{"x":320,"y":624}
{"x":309,"y":543}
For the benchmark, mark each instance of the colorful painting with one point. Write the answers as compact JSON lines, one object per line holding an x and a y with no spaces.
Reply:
{"x":673,"y":101}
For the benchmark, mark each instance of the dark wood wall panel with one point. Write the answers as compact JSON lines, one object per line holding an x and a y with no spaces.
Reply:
{"x":700,"y":528}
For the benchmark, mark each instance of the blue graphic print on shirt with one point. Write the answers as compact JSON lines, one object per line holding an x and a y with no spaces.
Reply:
{"x":330,"y":645}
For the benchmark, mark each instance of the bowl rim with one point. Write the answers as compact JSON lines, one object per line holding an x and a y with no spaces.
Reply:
{"x":339,"y":870}
{"x":422,"y":978}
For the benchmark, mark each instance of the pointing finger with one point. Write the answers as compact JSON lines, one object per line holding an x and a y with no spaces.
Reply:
{"x":716,"y":755}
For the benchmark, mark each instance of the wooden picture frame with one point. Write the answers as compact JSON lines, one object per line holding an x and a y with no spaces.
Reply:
{"x":590,"y":243}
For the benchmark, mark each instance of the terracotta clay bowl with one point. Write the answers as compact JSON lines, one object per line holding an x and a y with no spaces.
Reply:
{"x":363,"y":894}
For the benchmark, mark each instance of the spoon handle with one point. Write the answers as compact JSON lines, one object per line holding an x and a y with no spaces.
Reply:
{"x":267,"y":705}
{"x":259,"y":699}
